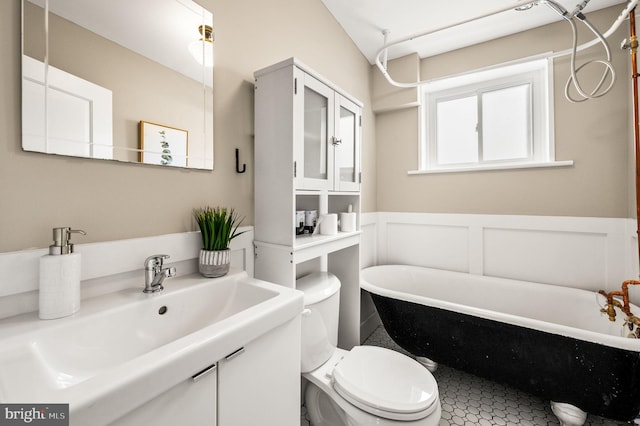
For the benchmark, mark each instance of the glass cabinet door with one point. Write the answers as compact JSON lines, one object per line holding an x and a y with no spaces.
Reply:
{"x":319,"y":121}
{"x":347,"y":145}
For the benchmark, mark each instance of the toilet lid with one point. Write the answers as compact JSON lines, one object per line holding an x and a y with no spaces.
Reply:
{"x":386,"y":383}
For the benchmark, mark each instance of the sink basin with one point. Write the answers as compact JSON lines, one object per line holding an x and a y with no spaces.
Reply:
{"x":74,"y":353}
{"x":130,"y":337}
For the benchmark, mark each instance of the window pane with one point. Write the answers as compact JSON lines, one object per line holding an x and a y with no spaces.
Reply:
{"x":457,"y":139}
{"x":505,"y":124}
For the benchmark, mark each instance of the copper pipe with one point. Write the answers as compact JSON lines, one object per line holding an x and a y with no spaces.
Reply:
{"x":633,"y":44}
{"x":624,"y":293}
{"x":612,"y":303}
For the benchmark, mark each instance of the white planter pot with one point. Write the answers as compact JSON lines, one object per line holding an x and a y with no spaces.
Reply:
{"x":214,"y":263}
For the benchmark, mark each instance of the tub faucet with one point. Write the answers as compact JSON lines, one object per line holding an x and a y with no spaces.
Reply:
{"x":154,"y":274}
{"x":610,"y":309}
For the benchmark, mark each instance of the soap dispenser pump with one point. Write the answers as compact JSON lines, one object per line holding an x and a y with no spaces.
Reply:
{"x":59,"y":294}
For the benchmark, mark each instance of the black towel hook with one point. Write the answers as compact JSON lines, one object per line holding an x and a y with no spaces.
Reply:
{"x":244,"y":166}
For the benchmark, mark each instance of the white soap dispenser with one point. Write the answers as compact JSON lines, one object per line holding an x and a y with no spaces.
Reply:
{"x":60,"y":277}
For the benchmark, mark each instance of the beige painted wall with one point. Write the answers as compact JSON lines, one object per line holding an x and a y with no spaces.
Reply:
{"x":596,"y":135}
{"x":113,"y":200}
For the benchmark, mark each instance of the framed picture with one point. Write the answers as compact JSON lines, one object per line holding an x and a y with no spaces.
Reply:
{"x":163,"y":145}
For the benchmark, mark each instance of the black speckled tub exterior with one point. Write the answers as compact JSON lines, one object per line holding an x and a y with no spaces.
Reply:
{"x":596,"y":378}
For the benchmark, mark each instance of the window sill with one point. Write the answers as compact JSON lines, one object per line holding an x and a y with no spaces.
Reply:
{"x":484,"y":167}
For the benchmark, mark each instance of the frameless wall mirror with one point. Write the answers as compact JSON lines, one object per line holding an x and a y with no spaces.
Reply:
{"x":126,"y":80}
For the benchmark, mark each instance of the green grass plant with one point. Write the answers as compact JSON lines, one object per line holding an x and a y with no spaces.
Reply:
{"x":218,"y":226}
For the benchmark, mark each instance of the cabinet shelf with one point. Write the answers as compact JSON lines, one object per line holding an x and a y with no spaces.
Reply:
{"x":307,"y":248}
{"x":324,"y":192}
{"x":307,"y":241}
{"x":310,"y":247}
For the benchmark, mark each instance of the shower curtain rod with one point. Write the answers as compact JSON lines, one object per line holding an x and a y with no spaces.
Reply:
{"x":382,"y":62}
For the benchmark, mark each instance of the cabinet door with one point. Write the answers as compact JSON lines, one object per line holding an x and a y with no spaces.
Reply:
{"x":347,"y":145}
{"x":261,"y":384}
{"x":314,"y":162}
{"x":188,"y":403}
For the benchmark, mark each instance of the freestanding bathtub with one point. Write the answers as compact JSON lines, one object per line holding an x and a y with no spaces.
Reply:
{"x":547,"y":340}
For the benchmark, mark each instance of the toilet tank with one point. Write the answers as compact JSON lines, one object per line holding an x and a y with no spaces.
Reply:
{"x":319,"y":318}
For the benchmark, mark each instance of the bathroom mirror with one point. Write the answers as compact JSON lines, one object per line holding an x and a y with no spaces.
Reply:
{"x":118,"y":80}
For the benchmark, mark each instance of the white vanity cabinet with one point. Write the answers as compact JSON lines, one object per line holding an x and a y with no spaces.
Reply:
{"x":256,"y":384}
{"x":307,"y":158}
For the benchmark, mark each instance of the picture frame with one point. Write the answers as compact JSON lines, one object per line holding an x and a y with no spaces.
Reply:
{"x":163,"y":145}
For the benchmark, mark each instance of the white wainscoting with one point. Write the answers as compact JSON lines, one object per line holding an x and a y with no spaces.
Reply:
{"x":369,"y":319}
{"x":18,"y":290}
{"x":368,"y":240}
{"x":588,"y":253}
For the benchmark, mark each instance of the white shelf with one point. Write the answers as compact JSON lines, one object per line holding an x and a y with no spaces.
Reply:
{"x":310,"y":191}
{"x":307,"y":241}
{"x":325,"y":192}
{"x":307,"y":248}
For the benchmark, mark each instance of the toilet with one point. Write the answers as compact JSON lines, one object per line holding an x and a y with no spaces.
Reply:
{"x":367,"y":385}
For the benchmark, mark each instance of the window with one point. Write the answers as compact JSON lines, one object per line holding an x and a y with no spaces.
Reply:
{"x":495,"y":118}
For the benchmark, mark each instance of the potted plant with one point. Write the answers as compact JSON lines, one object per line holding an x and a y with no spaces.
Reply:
{"x":218,"y":226}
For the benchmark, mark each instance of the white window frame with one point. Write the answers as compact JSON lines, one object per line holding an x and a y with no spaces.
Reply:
{"x":538,"y":73}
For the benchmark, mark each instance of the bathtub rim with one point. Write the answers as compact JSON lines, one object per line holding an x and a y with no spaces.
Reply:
{"x":609,"y":340}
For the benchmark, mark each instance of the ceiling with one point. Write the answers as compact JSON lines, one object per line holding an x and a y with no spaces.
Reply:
{"x":364,"y":21}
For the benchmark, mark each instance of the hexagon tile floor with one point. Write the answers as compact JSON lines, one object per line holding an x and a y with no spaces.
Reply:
{"x":469,"y":400}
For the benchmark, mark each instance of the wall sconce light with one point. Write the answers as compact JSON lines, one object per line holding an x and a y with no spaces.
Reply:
{"x":202,"y":49}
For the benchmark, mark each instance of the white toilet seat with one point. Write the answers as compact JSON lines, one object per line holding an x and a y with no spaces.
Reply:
{"x":386,"y":384}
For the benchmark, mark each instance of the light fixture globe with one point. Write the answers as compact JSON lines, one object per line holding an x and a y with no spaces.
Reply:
{"x":202,"y":49}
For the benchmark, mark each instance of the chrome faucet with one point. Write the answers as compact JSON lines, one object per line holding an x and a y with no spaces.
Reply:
{"x":154,"y":274}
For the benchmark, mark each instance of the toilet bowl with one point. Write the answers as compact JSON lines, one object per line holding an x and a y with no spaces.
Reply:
{"x":366,"y":385}
{"x":371,"y":386}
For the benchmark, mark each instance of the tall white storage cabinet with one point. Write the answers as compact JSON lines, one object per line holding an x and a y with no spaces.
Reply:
{"x":307,"y":157}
